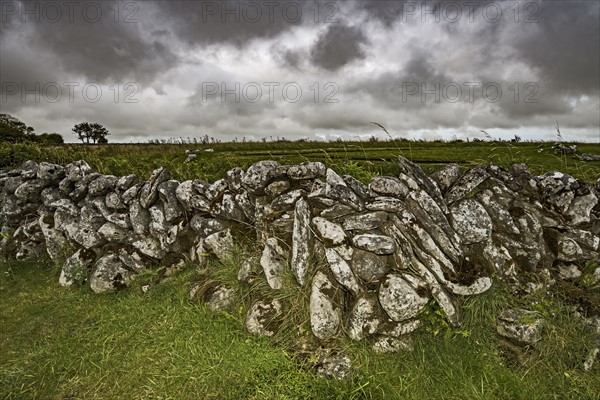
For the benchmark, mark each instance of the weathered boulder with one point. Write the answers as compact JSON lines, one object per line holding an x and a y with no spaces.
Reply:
{"x":220,"y":244}
{"x":307,"y":170}
{"x":398,"y":299}
{"x":446,"y":176}
{"x":325,"y":313}
{"x":273,"y":261}
{"x":369,"y":266}
{"x":364,"y":317}
{"x":109,"y":274}
{"x":76,"y":269}
{"x":467,"y":183}
{"x":102,"y":185}
{"x":330,"y":232}
{"x":388,"y":186}
{"x":57,"y":244}
{"x":148,"y":193}
{"x":276,"y":188}
{"x":342,"y":272}
{"x":219,"y":298}
{"x":51,"y":173}
{"x":263,"y":317}
{"x":520,"y":326}
{"x":166,"y":193}
{"x":260,"y":174}
{"x":471,"y":221}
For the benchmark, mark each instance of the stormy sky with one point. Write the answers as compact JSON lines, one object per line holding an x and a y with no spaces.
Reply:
{"x":235,"y":69}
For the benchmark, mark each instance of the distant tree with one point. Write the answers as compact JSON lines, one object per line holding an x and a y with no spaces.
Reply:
{"x":83,"y":131}
{"x":14,"y":131}
{"x":50,"y":139}
{"x":99,"y":133}
{"x":86,"y":131}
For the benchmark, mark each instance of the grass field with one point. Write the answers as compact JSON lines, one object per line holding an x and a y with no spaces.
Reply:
{"x":362,"y":159}
{"x":61,"y":343}
{"x":58,"y":343}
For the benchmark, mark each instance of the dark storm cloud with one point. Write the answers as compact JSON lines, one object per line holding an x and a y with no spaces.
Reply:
{"x":173,"y":46}
{"x":101,"y":41}
{"x":338,"y":46}
{"x":238,"y":22}
{"x":565,"y":47}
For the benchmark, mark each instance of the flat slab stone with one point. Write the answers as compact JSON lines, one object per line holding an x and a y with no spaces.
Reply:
{"x":378,"y":244}
{"x":325,"y":315}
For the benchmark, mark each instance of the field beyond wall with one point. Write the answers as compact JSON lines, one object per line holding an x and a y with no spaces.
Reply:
{"x":361,"y":159}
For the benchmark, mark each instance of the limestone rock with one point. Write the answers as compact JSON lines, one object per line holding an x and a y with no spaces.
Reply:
{"x":234,"y":178}
{"x":149,"y":246}
{"x":387,"y":344}
{"x":50,"y":172}
{"x":260,"y":174}
{"x":384,"y":203}
{"x":399,"y":300}
{"x":325,"y":314}
{"x":149,"y":190}
{"x":329,"y":231}
{"x":365,"y":222}
{"x":465,"y":184}
{"x":369,"y":266}
{"x":76,"y":269}
{"x":77,"y":170}
{"x":521,"y":326}
{"x":334,"y":365}
{"x":276,"y":188}
{"x":377,"y":244}
{"x":446,"y":176}
{"x":220,"y":298}
{"x":57,"y":245}
{"x":307,"y":170}
{"x":388,"y":186}
{"x":341,"y":271}
{"x":220,"y":244}
{"x":364,"y":318}
{"x":132,"y":260}
{"x":262,"y":317}
{"x":102,"y":185}
{"x":412,"y":172}
{"x":114,"y":234}
{"x":166,"y":193}
{"x":579,"y":210}
{"x":301,"y":242}
{"x":286,"y":201}
{"x":109,"y":274}
{"x":336,"y":211}
{"x":273,"y":261}
{"x":472,"y":223}
{"x":358,"y":187}
{"x":205,"y":225}
{"x":140,"y":218}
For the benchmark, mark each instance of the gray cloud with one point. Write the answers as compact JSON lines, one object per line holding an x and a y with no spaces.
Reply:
{"x":372,"y":51}
{"x":98,"y":44}
{"x":338,"y":46}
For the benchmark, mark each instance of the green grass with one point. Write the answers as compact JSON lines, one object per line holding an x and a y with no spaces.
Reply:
{"x":362,"y":159}
{"x":59,"y":343}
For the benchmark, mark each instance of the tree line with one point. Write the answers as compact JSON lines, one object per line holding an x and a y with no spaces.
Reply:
{"x":12,"y":130}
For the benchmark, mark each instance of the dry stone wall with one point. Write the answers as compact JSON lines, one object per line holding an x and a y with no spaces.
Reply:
{"x":391,"y":246}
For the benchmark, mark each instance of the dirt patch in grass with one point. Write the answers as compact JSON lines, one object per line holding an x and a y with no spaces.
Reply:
{"x":587,"y":302}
